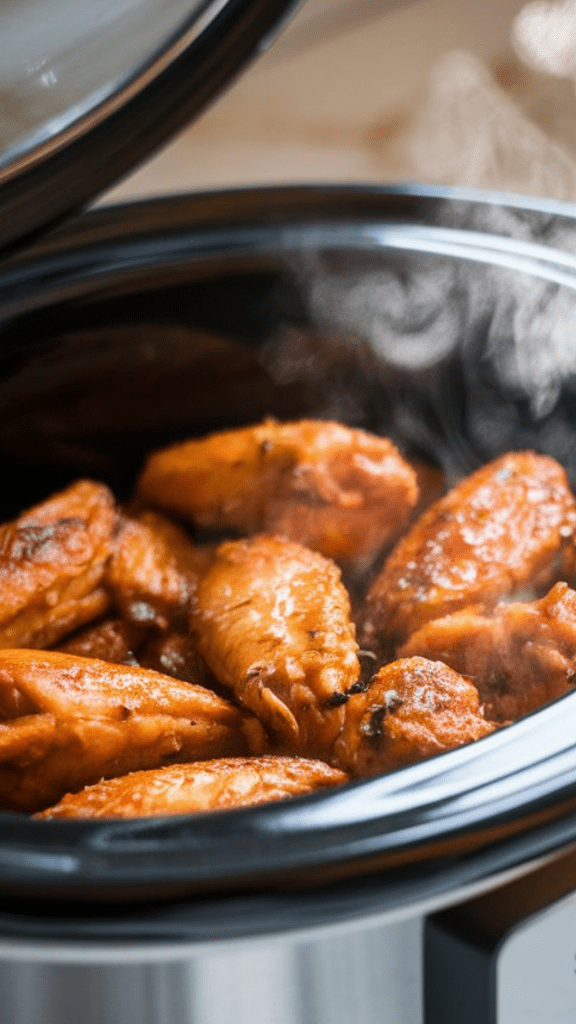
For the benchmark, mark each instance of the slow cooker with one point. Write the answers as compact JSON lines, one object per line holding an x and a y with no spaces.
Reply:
{"x":441,"y":893}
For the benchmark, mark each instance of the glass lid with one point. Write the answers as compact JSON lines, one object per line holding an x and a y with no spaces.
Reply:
{"x":87,"y":91}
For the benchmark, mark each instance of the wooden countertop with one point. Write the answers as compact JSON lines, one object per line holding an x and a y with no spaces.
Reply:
{"x":382,"y":90}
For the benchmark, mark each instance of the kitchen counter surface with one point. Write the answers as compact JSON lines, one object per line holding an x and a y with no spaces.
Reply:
{"x":389,"y":90}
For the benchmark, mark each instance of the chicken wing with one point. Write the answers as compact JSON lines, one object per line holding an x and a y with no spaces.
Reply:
{"x":413,"y":709}
{"x":174,"y":654}
{"x":500,"y":529}
{"x":520,"y":658}
{"x":52,"y":560}
{"x":341,"y":491}
{"x":110,"y":640}
{"x":210,"y":786}
{"x":273,"y":623}
{"x":153,"y":571}
{"x":67,"y":722}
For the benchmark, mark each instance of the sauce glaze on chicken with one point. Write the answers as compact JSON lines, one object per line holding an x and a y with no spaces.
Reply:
{"x":147,"y":668}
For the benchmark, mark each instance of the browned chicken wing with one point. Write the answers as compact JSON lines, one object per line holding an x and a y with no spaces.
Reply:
{"x":52,"y":560}
{"x":341,"y":491}
{"x":273,"y":623}
{"x":498,"y":530}
{"x":175,"y":654}
{"x":66,"y":722}
{"x":413,"y":709}
{"x":520,"y":658}
{"x":121,"y":708}
{"x":210,"y":786}
{"x":153,"y":571}
{"x":110,"y":640}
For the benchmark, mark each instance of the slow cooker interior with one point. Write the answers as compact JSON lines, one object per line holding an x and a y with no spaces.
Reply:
{"x":454,"y":341}
{"x":460,"y":348}
{"x":116,"y":376}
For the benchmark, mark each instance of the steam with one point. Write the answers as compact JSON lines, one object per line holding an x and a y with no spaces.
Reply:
{"x":471,"y":133}
{"x":457,"y":359}
{"x":532,"y":344}
{"x":454,"y":359}
{"x":410,"y":321}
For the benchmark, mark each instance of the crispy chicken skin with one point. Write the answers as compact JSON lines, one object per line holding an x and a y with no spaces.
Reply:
{"x":413,"y":709}
{"x":52,"y":560}
{"x":498,"y":530}
{"x":123,"y":717}
{"x":520,"y":658}
{"x":338,"y":490}
{"x":110,"y":640}
{"x":273,"y":623}
{"x":209,"y":786}
{"x":153,"y":571}
{"x":67,"y":722}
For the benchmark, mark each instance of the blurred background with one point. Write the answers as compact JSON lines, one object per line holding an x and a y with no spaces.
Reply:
{"x":449,"y":91}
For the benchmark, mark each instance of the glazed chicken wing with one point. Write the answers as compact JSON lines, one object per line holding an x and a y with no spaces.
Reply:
{"x":413,"y":709}
{"x":500,"y":529}
{"x":52,"y":560}
{"x":338,"y":490}
{"x":110,"y":640}
{"x":175,"y":654}
{"x":67,"y":722}
{"x":153,"y":571}
{"x":273,"y":623}
{"x":209,"y":786}
{"x":520,"y":658}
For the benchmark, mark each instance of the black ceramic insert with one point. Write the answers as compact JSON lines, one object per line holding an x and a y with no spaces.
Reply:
{"x":444,"y":320}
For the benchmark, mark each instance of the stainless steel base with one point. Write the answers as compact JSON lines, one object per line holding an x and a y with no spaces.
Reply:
{"x":363,"y":971}
{"x":365,"y":976}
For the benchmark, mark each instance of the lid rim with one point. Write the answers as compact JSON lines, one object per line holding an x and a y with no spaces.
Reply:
{"x":60,"y":175}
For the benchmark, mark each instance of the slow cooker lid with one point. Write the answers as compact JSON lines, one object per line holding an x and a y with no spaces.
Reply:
{"x":89,"y":91}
